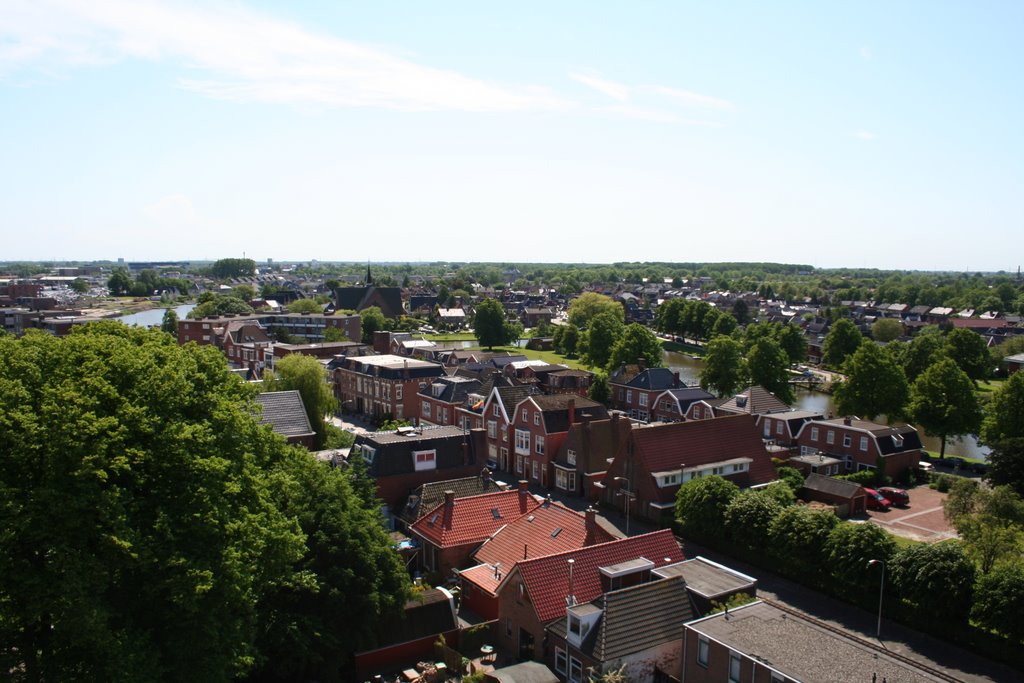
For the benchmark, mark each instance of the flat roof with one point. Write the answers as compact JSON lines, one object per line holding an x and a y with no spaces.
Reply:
{"x":706,"y":578}
{"x":767,"y":634}
{"x":389,"y":360}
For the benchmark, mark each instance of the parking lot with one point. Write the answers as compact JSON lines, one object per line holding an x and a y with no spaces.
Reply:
{"x":921,"y":521}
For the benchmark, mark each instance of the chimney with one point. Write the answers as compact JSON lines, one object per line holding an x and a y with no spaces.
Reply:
{"x":591,"y":526}
{"x":675,"y":379}
{"x":405,"y":370}
{"x":572,"y":412}
{"x":847,"y":421}
{"x":642,"y":362}
{"x":449,"y":508}
{"x":524,"y":494}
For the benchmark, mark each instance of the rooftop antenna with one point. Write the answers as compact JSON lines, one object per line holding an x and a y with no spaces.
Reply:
{"x":570,"y":600}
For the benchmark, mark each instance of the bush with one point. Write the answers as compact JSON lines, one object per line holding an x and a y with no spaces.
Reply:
{"x":942,"y":482}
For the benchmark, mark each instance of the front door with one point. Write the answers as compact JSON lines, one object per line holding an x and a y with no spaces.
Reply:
{"x":525,"y":645}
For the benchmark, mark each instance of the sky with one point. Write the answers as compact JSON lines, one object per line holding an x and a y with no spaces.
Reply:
{"x":869,"y":134}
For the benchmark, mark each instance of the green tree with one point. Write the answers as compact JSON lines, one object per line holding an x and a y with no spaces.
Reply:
{"x":724,"y":325}
{"x":849,"y":549}
{"x":875,"y":385}
{"x":1004,"y":415}
{"x":748,"y":517}
{"x":943,"y":401}
{"x":1006,"y":464}
{"x":635,"y":344}
{"x":586,"y":306}
{"x":936,"y":578}
{"x":600,"y":336}
{"x":741,"y":312}
{"x":997,"y":600}
{"x":304,"y":307}
{"x":841,"y":342}
{"x":233,"y":267}
{"x":349,"y":568}
{"x":768,"y":366}
{"x":120,"y":282}
{"x":926,"y":348}
{"x":990,"y":521}
{"x":797,"y":538}
{"x":599,"y":390}
{"x":334,"y":334}
{"x":305,"y":374}
{"x":220,"y":305}
{"x":793,"y":342}
{"x":489,"y":324}
{"x":701,"y":505}
{"x":724,"y":369}
{"x":970,"y":351}
{"x":372,"y":320}
{"x":169,"y":324}
{"x":80,"y":286}
{"x":139,"y":530}
{"x":886,"y":329}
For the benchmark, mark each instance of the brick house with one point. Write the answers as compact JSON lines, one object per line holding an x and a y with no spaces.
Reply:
{"x":635,"y":389}
{"x":861,"y":444}
{"x":496,"y":412}
{"x":672,"y":405}
{"x":538,"y":427}
{"x":309,"y":326}
{"x":402,"y":460}
{"x":548,"y":529}
{"x":426,"y":497}
{"x":657,"y":459}
{"x":382,"y":385}
{"x":564,"y":381}
{"x":246,"y":344}
{"x":286,"y":414}
{"x":450,"y":532}
{"x":441,"y":400}
{"x":536,"y":591}
{"x":754,"y":400}
{"x":782,"y":428}
{"x":588,"y":447}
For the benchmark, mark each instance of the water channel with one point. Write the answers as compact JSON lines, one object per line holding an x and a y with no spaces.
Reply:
{"x":689,"y":370}
{"x":153,"y":316}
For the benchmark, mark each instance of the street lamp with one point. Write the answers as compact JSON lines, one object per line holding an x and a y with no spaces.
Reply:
{"x":881,"y":590}
{"x":627,"y":495}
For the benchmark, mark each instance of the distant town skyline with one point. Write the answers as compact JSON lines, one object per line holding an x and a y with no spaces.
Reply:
{"x":874,"y":135}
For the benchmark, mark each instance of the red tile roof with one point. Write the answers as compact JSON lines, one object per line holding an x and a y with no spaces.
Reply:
{"x":665,"y":447}
{"x":547,"y":578}
{"x":533,"y":536}
{"x":472,"y":519}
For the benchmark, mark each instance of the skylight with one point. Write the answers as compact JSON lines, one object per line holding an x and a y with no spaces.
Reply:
{"x":557,"y":531}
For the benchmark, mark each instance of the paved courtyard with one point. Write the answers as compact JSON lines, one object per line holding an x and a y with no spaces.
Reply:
{"x":921,"y":521}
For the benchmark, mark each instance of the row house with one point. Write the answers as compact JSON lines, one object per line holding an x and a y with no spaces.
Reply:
{"x":657,"y":459}
{"x":536,"y":591}
{"x":403,"y":460}
{"x":782,"y":428}
{"x":450,"y":532}
{"x":426,"y":497}
{"x":672,"y":405}
{"x":246,"y":345}
{"x":862,"y":444}
{"x":497,"y":412}
{"x":382,"y":385}
{"x":538,"y":427}
{"x":442,"y":399}
{"x":309,"y":326}
{"x":548,"y":529}
{"x":635,"y":389}
{"x":590,"y":444}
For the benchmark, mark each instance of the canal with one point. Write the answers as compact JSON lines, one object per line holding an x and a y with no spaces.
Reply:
{"x":689,"y":369}
{"x":153,"y":316}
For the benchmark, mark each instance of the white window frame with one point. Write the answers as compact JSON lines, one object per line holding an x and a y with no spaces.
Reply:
{"x":864,"y":443}
{"x":778,"y":426}
{"x":830,"y":437}
{"x":536,"y":419}
{"x":536,"y":470}
{"x":703,"y":649}
{"x":538,"y":445}
{"x":629,"y":395}
{"x":643,"y":399}
{"x":522,"y":442}
{"x":492,"y":429}
{"x":814,"y":433}
{"x":575,"y":670}
{"x":426,"y":409}
{"x":561,"y":660}
{"x":570,"y":456}
{"x":734,"y":673}
{"x":424,"y":461}
{"x":847,"y":440}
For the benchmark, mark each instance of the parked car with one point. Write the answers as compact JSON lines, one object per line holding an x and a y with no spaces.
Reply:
{"x":896,"y":496}
{"x":925,"y":467}
{"x":951,"y":463}
{"x":876,"y":501}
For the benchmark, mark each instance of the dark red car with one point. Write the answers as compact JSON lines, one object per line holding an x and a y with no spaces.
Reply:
{"x":876,"y":501}
{"x":896,"y":496}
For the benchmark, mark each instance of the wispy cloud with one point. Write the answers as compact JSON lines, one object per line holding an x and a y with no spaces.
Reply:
{"x":690,"y":99}
{"x":237,"y":54}
{"x":865,"y":135}
{"x":616,"y":91}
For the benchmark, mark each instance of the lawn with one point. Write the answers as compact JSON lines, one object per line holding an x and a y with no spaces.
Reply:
{"x":546,"y":356}
{"x":448,"y":336}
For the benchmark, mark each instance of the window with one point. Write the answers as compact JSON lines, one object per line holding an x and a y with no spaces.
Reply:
{"x":863,"y":443}
{"x":492,"y":429}
{"x":575,"y":670}
{"x":524,"y":414}
{"x":538,"y":445}
{"x":620,"y":394}
{"x":778,"y":426}
{"x":560,"y":660}
{"x":425,"y":460}
{"x":702,"y":651}
{"x":629,"y":396}
{"x":570,"y":456}
{"x":536,"y":419}
{"x":398,"y":392}
{"x":734,"y":668}
{"x":426,"y":409}
{"x":830,"y":437}
{"x":847,"y":440}
{"x":519,"y":464}
{"x":717,"y":470}
{"x":522,"y":441}
{"x":521,"y":592}
{"x":814,"y":433}
{"x":696,"y":412}
{"x":494,"y":410}
{"x":643,"y":400}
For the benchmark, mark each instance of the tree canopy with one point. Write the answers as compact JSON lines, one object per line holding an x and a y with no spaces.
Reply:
{"x":583,"y":308}
{"x":169,"y":323}
{"x":768,"y":366}
{"x":944,"y":403}
{"x":306,"y":375}
{"x":886,"y":329}
{"x":597,"y":340}
{"x":970,"y":351}
{"x":371,"y":320}
{"x":1004,"y":416}
{"x":489,"y":324}
{"x":636,"y":343}
{"x":225,"y":268}
{"x":701,"y":505}
{"x":724,"y":369}
{"x":150,"y":521}
{"x":875,"y":385}
{"x":841,"y":341}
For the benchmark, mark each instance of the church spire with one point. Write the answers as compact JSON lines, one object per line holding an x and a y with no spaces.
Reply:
{"x":369,"y":278}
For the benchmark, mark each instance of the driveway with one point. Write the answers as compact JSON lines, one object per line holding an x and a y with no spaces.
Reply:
{"x":922,"y":520}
